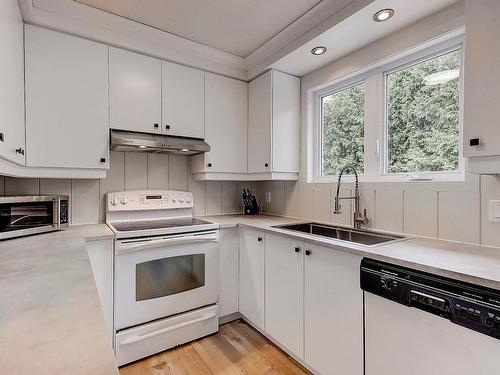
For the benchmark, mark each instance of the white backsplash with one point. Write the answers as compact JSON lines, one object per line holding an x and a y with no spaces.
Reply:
{"x":134,"y":171}
{"x":451,"y":211}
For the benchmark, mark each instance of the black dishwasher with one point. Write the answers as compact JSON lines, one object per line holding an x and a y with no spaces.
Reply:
{"x":468,"y":305}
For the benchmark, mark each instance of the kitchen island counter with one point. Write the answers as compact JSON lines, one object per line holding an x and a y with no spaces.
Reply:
{"x":50,"y":315}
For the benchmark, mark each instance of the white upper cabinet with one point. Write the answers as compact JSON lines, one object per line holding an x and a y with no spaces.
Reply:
{"x":274,"y":123}
{"x":183,"y":101}
{"x":134,"y":91}
{"x":67,"y":109}
{"x":12,"y":83}
{"x":225,"y":126}
{"x":284,"y":292}
{"x":481,"y":86}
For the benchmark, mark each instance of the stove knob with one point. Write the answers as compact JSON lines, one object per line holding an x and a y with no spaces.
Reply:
{"x":114,"y":201}
{"x":181,"y":198}
{"x":124,"y":200}
{"x":188,"y":199}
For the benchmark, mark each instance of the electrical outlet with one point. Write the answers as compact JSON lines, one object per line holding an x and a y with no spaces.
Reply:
{"x":494,"y":211}
{"x":268,"y":197}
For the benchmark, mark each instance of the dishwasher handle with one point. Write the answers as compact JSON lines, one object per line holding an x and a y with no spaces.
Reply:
{"x":126,"y":247}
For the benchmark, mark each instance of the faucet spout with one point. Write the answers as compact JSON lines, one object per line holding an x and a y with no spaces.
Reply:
{"x":358,"y":218}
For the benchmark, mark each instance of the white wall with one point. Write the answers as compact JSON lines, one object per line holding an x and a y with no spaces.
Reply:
{"x":447,"y":210}
{"x":132,"y":171}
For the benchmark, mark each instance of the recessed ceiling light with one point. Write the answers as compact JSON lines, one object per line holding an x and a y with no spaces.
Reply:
{"x":316,"y":51}
{"x":185,"y":150}
{"x":383,"y":15}
{"x":442,"y":77}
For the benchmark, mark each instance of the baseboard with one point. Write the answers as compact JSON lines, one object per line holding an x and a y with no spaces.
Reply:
{"x":229,"y":318}
{"x":270,"y":338}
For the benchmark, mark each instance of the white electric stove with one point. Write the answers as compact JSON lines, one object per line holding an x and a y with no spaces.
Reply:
{"x":166,"y":272}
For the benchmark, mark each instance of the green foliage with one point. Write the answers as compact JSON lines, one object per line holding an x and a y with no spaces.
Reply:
{"x":343,"y":130}
{"x":423,"y":120}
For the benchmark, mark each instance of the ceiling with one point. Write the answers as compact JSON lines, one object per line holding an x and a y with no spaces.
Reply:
{"x":355,"y":32}
{"x":238,"y":27}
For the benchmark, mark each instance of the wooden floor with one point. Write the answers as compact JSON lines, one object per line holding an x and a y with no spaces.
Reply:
{"x":236,"y":349}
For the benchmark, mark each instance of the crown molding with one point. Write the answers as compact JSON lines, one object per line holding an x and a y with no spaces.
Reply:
{"x":81,"y":20}
{"x":77,"y":19}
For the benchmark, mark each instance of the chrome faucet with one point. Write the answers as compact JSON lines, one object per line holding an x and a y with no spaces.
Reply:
{"x":358,"y":218}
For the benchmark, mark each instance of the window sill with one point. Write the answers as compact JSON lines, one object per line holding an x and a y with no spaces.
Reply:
{"x":452,"y":177}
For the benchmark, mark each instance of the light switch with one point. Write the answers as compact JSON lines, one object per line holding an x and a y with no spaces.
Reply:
{"x":494,"y":211}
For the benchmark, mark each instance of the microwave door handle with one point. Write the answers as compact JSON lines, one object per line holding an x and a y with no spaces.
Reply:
{"x":136,"y":338}
{"x":127,"y":248}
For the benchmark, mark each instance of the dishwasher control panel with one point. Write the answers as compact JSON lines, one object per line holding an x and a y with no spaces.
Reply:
{"x":471,"y":306}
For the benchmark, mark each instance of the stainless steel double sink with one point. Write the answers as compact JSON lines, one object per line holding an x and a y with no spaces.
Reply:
{"x":359,"y":236}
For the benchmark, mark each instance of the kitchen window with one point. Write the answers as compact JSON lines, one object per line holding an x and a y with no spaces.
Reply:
{"x":423,"y":116}
{"x":342,"y":129}
{"x":399,"y":120}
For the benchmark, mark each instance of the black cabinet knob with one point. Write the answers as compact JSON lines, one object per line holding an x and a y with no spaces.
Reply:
{"x":259,"y":239}
{"x":102,"y":160}
{"x":2,"y":139}
{"x":297,"y":249}
{"x":474,"y":142}
{"x":209,"y":165}
{"x":266,"y":165}
{"x":167,"y":127}
{"x":156,"y":126}
{"x":19,"y":151}
{"x":308,"y":252}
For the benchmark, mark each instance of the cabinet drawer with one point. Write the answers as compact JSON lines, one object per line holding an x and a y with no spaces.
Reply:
{"x":139,"y":342}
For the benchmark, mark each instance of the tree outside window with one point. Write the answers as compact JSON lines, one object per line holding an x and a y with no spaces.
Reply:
{"x":423,"y":116}
{"x":342,"y":130}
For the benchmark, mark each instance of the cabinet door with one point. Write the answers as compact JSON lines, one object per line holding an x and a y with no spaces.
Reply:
{"x":251,"y":277}
{"x":260,"y":117}
{"x":225,"y":124}
{"x":228,"y":271}
{"x":67,"y":118}
{"x":101,"y":259}
{"x":183,"y":101}
{"x":333,"y":312}
{"x":284,"y":292}
{"x":134,"y":91}
{"x":12,"y":82}
{"x":286,"y":122}
{"x":482,"y":78}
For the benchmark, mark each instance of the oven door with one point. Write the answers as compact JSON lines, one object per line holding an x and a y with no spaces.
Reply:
{"x":156,"y":277}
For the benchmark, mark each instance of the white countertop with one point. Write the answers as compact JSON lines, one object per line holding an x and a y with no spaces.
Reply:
{"x":470,"y":263}
{"x":50,"y":315}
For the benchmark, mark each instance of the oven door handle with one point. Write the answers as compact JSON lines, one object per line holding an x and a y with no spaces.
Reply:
{"x":124,"y":248}
{"x":136,"y":338}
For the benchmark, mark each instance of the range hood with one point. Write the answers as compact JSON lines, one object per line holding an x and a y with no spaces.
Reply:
{"x":156,"y":143}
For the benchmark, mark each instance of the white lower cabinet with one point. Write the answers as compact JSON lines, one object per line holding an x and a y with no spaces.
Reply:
{"x":333,"y":312}
{"x":251,"y":277}
{"x":228,"y":271}
{"x":284,"y":292}
{"x":101,"y":259}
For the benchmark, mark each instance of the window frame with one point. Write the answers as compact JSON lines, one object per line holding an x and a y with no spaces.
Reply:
{"x":375,"y":142}
{"x":331,"y":91}
{"x":404,"y":63}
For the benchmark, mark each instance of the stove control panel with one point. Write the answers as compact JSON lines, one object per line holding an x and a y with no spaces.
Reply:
{"x":149,"y":200}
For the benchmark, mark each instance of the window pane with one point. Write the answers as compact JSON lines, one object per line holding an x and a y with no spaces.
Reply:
{"x":423,"y":116}
{"x":342,"y":130}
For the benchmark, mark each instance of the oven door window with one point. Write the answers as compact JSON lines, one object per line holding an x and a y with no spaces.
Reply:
{"x":167,"y":276}
{"x":16,"y":216}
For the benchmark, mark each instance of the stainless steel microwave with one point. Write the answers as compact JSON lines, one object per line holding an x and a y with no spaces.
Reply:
{"x":26,"y":215}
